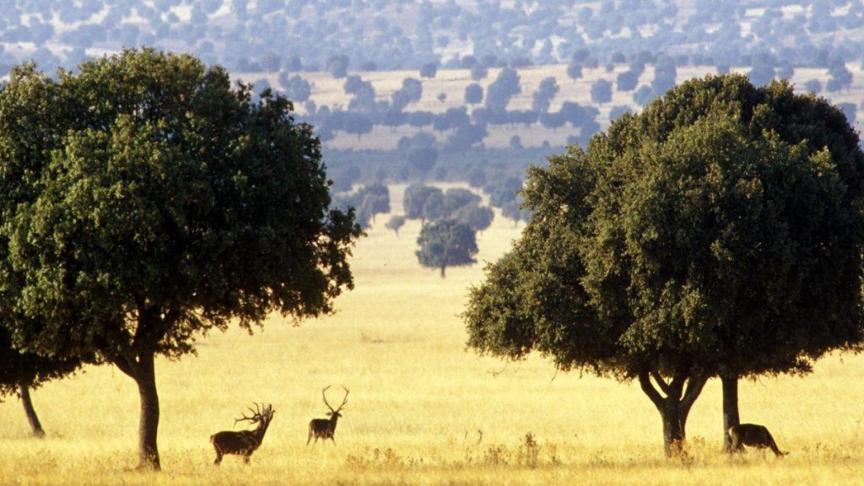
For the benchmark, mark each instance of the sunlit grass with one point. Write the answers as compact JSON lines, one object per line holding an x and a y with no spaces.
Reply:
{"x":422,"y":408}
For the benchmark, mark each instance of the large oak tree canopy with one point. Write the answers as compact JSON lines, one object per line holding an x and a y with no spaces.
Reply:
{"x":145,"y":202}
{"x":719,"y":232}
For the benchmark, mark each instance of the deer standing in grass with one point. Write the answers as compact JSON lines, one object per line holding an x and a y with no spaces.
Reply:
{"x":325,"y":428}
{"x":753,"y":435}
{"x":244,"y":442}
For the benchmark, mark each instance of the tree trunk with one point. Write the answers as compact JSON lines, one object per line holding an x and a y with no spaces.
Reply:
{"x":35,"y":425}
{"x":674,"y":404}
{"x":673,"y":427}
{"x":730,"y":408}
{"x":443,"y":267}
{"x":145,"y":378}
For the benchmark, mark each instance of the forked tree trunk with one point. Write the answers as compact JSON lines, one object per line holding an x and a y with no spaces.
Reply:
{"x":673,"y":401}
{"x":148,"y":426}
{"x":730,"y":408}
{"x":35,"y":425}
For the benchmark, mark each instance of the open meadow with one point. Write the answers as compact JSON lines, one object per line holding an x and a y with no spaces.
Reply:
{"x":422,"y":408}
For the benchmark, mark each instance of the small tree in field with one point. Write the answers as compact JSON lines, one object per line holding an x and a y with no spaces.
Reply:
{"x":145,"y":202}
{"x":22,"y":371}
{"x":446,"y":243}
{"x":396,"y":222}
{"x":715,"y":234}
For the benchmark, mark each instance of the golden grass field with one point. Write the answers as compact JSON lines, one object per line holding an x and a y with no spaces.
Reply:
{"x":422,"y":408}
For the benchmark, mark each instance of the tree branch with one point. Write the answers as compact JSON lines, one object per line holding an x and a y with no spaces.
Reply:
{"x":660,"y":382}
{"x":648,"y":388}
{"x":694,"y":389}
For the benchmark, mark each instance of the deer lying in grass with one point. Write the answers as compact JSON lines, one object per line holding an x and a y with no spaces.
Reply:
{"x":325,"y":428}
{"x":753,"y":435}
{"x":244,"y":442}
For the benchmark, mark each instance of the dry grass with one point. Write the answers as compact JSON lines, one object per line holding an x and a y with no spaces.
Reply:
{"x":422,"y":409}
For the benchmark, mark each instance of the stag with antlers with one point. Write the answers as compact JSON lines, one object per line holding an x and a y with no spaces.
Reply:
{"x":244,"y":442}
{"x":325,"y":428}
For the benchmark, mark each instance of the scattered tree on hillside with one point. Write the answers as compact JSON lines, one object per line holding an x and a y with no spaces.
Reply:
{"x":446,"y":243}
{"x":429,"y":70}
{"x":473,"y":94}
{"x":172,"y":236}
{"x":601,"y":91}
{"x":337,"y":66}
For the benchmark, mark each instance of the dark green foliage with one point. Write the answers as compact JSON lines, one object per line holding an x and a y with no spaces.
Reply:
{"x":146,"y":202}
{"x":446,"y":243}
{"x":422,"y":159}
{"x":716,"y":233}
{"x":29,"y":369}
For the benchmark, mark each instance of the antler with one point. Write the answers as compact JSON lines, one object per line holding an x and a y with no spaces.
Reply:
{"x":344,"y":400}
{"x":324,"y":395}
{"x":256,"y":415}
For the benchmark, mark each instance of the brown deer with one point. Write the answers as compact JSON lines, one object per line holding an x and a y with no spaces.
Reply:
{"x":325,"y":428}
{"x":753,"y":435}
{"x":244,"y":442}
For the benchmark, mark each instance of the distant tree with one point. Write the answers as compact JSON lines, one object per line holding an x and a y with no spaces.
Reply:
{"x":516,"y":142}
{"x":840,"y":79}
{"x":21,"y":372}
{"x":813,"y":86}
{"x":296,"y":88}
{"x":434,"y":208}
{"x":627,"y":80}
{"x":546,"y":91}
{"x":500,"y":91}
{"x":761,"y":74}
{"x":173,"y":237}
{"x":601,"y":91}
{"x":478,"y":217}
{"x":848,"y":109}
{"x":442,"y":97}
{"x":410,"y":92}
{"x":477,"y":177}
{"x":457,"y":198}
{"x":478,"y":72}
{"x":503,"y":190}
{"x":665,"y":74}
{"x":617,"y":111}
{"x":415,"y":199}
{"x":574,"y":71}
{"x":446,"y":243}
{"x":429,"y":70}
{"x":466,"y":137}
{"x":473,"y":94}
{"x":643,"y":95}
{"x":356,"y":124}
{"x":422,"y":159}
{"x":337,"y":66}
{"x":396,"y":222}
